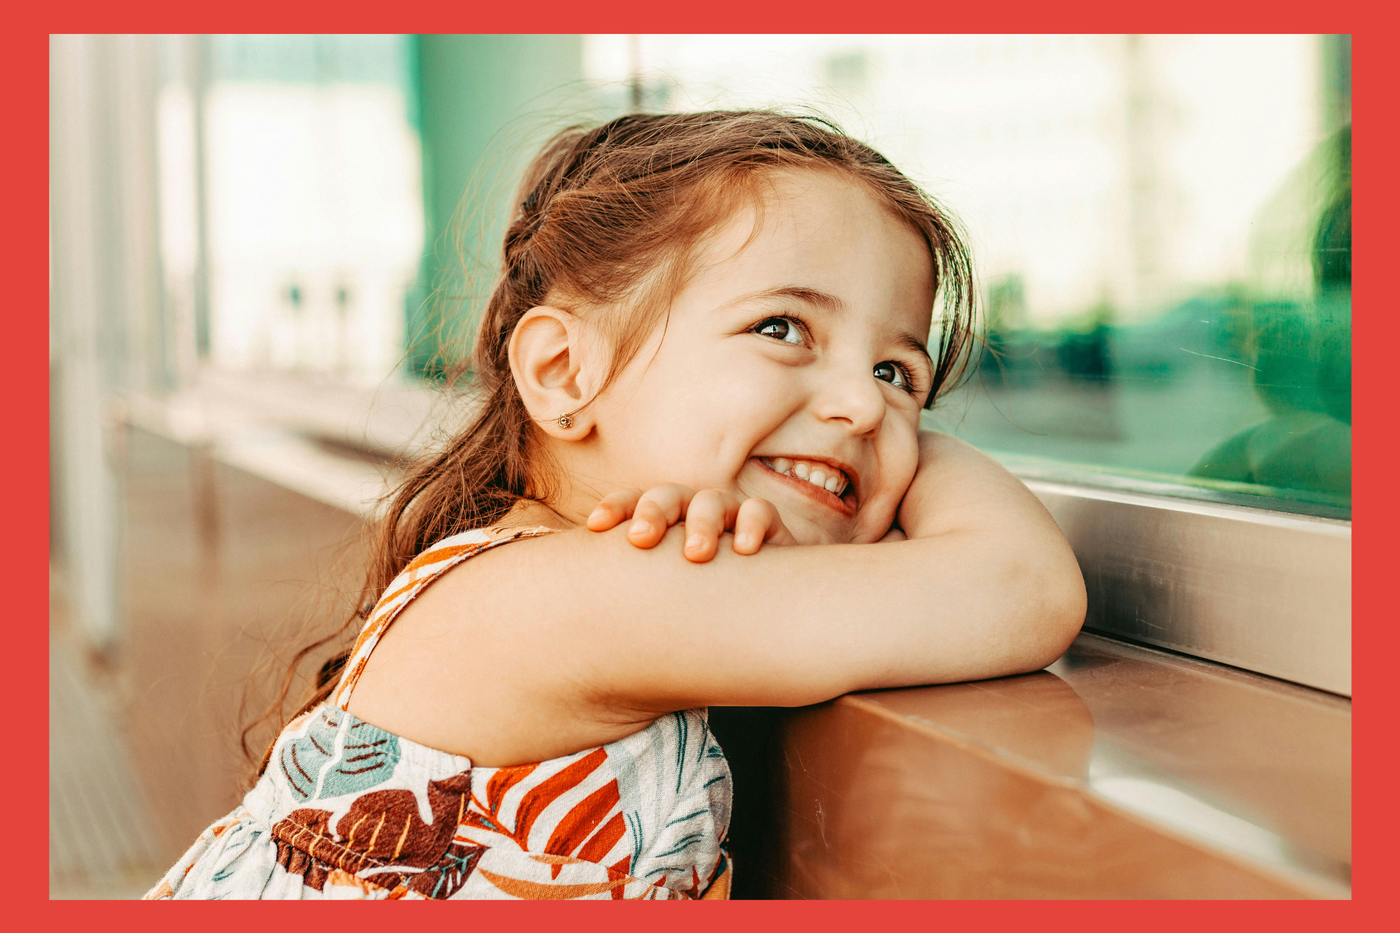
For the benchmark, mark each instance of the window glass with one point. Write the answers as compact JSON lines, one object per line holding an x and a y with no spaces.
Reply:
{"x":1162,"y":226}
{"x":311,"y":193}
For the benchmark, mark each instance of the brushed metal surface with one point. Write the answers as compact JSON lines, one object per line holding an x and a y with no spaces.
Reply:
{"x":1265,"y":591}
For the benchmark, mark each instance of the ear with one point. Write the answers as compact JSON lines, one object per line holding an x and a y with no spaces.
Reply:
{"x":552,"y":370}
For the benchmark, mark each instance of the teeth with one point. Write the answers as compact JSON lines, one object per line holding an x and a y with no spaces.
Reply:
{"x":833,"y":482}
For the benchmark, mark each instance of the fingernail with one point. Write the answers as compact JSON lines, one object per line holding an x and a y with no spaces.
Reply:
{"x":694,"y":542}
{"x":596,"y":513}
{"x":744,"y":541}
{"x":640,"y":526}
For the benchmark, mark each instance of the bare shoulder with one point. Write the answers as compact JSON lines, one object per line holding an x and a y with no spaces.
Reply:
{"x":478,"y":663}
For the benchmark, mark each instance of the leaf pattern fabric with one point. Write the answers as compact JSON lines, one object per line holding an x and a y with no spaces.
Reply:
{"x":369,"y":755}
{"x":348,"y":810}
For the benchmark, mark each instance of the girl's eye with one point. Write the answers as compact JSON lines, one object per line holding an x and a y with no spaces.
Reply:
{"x":894,"y":374}
{"x":780,"y":328}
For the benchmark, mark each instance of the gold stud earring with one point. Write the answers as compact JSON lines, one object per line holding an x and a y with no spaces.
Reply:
{"x":565,"y":421}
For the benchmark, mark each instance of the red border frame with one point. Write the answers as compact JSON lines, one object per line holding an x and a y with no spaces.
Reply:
{"x":25,"y":71}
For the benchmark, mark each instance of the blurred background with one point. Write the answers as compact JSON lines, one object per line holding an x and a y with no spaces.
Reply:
{"x":266,"y":249}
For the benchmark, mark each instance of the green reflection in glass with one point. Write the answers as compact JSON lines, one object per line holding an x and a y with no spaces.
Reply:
{"x":1302,"y":367}
{"x":1238,"y":391}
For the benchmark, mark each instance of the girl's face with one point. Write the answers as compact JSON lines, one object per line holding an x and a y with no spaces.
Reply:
{"x":792,"y":368}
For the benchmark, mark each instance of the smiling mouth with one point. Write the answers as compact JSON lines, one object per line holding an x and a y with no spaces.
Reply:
{"x":822,"y":481}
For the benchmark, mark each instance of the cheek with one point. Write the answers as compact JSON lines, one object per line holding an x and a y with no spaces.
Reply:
{"x":906,"y":462}
{"x":694,"y":418}
{"x":898,"y":452}
{"x":899,"y":460}
{"x":726,"y":399}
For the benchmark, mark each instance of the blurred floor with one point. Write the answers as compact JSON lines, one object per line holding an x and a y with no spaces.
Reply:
{"x":101,"y":839}
{"x":221,"y":570}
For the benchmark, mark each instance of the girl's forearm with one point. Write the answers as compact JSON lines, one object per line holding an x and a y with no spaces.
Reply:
{"x":1031,"y":600}
{"x":969,"y":605}
{"x":957,"y":487}
{"x":797,"y":625}
{"x":985,"y":586}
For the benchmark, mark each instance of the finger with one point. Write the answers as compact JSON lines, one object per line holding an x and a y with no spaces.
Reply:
{"x":657,"y":510}
{"x":757,"y":523}
{"x":709,"y":514}
{"x":613,"y":509}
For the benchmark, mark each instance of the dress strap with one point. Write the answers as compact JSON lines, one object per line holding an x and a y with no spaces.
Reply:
{"x":423,"y":570}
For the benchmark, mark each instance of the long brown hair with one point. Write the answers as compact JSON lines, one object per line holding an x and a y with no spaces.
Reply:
{"x":608,"y":219}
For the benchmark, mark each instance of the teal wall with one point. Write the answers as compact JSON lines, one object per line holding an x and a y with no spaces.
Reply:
{"x":486,"y":103}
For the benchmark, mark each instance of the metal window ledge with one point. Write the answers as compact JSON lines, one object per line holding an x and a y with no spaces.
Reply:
{"x":1266,"y":591}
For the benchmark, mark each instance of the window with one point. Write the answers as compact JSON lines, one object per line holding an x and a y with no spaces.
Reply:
{"x":1162,"y":225}
{"x":311,"y":194}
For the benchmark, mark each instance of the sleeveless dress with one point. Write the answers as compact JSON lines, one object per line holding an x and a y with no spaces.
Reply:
{"x":348,"y":810}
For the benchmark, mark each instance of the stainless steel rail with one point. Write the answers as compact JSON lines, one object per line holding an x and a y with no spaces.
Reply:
{"x":1266,"y":591}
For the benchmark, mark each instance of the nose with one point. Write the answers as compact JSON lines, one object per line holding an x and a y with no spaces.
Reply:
{"x":851,"y":397}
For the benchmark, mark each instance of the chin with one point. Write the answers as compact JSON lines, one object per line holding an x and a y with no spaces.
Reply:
{"x":809,"y":532}
{"x":869,"y":529}
{"x":862,"y":528}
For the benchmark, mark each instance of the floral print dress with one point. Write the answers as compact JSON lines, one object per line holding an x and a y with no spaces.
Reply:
{"x":348,"y":810}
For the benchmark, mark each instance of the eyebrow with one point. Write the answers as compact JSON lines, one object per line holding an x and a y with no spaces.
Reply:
{"x":803,"y":293}
{"x":829,"y":302}
{"x":914,"y":343}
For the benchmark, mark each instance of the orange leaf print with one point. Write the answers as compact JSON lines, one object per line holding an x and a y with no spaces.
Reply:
{"x":500,"y":784}
{"x":574,"y":828}
{"x":719,"y":887}
{"x":550,"y":789}
{"x":623,"y":867}
{"x":341,"y":878}
{"x":604,"y":839}
{"x":537,"y":891}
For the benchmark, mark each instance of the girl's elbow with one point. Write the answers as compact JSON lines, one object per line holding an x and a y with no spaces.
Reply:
{"x":1050,"y":602}
{"x":1061,"y":603}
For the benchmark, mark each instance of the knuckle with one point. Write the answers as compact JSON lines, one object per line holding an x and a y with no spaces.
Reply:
{"x":703,"y":518}
{"x":762,"y":507}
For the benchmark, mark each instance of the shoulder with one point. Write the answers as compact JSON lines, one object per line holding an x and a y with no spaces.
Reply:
{"x":482,"y":662}
{"x":435,"y":561}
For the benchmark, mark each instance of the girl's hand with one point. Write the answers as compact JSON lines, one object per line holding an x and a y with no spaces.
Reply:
{"x":708,"y":514}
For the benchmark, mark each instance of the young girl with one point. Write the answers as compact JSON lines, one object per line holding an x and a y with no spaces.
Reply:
{"x":710,"y":338}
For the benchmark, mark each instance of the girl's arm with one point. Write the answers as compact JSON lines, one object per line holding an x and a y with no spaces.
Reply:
{"x":552,"y":645}
{"x":965,"y":500}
